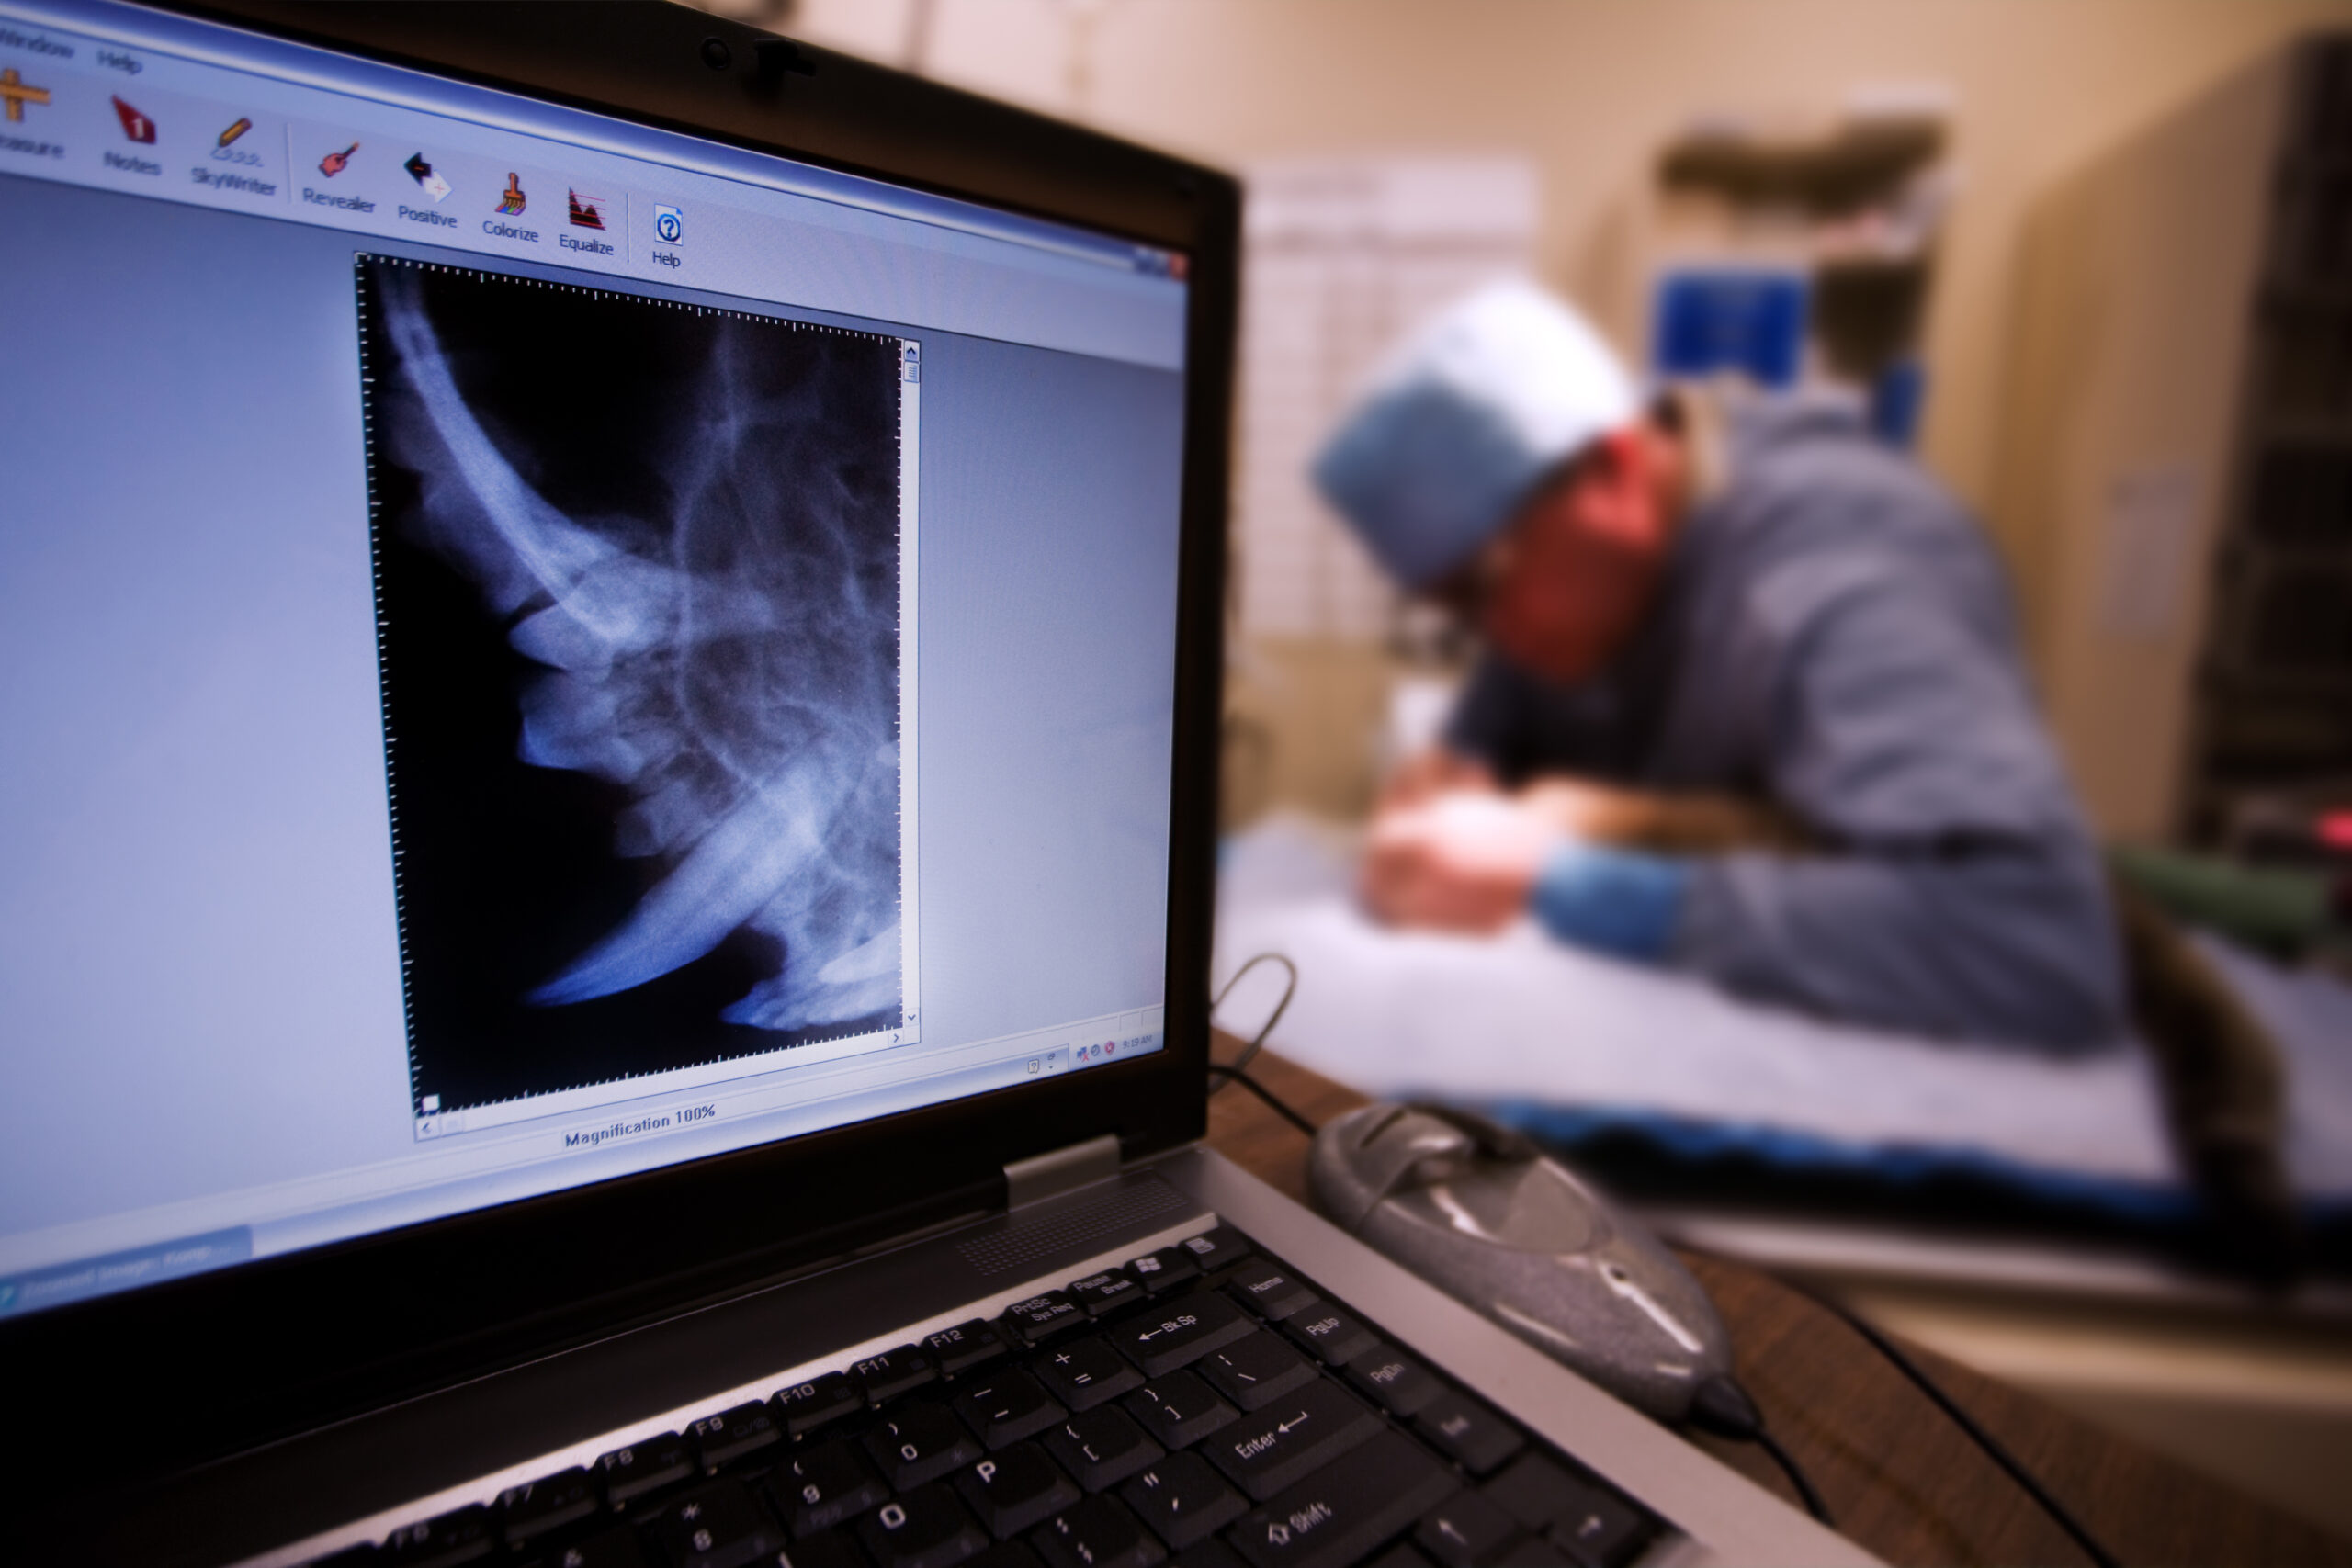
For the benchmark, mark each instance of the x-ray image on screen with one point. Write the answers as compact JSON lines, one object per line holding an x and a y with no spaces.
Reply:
{"x":637,"y":602}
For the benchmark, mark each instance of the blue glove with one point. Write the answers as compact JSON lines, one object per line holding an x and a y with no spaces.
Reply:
{"x":1614,"y":901}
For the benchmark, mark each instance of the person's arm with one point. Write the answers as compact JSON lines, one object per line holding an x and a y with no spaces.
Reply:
{"x":1957,"y":891}
{"x":2007,"y":943}
{"x":1659,"y":822}
{"x":1475,"y":860}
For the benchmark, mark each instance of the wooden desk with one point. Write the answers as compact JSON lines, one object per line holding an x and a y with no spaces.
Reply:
{"x":1900,"y":1478}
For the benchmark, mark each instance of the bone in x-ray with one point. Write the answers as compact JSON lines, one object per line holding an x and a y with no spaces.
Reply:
{"x":749,"y":709}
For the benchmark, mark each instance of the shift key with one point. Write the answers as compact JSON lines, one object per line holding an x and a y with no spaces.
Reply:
{"x":1273,"y":1446}
{"x":1336,"y":1516}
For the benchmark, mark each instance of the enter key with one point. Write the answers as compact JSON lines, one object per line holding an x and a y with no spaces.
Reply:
{"x":1335,"y":1517}
{"x":1271,"y":1448}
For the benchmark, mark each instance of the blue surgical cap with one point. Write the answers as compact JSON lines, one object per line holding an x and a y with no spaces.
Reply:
{"x":1463,"y":420}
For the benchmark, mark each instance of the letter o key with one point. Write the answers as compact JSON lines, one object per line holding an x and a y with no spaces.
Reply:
{"x":893,"y":1516}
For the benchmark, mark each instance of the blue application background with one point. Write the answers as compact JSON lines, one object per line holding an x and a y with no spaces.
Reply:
{"x":199,"y":962}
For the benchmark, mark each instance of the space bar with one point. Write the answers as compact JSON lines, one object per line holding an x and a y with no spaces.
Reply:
{"x":1345,"y":1509}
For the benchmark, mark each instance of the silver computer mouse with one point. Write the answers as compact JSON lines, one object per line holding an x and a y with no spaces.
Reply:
{"x":1478,"y":1211}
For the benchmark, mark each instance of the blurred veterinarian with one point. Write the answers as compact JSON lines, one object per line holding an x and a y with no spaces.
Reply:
{"x":1751,"y":706}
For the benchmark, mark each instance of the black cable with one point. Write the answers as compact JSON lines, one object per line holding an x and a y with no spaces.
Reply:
{"x":1720,"y":1405}
{"x":1274,"y":1101}
{"x":1790,"y":1468}
{"x":1993,"y":1448}
{"x":1257,"y":1042}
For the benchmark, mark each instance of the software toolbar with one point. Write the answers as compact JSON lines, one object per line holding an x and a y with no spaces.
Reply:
{"x":82,"y":111}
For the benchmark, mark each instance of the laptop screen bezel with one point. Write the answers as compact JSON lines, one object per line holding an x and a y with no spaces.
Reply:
{"x":275,"y":1346}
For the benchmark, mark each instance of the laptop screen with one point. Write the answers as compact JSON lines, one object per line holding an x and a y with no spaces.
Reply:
{"x":534,"y":647}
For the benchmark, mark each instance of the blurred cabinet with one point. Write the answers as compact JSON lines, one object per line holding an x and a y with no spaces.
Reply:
{"x":2177,"y":490}
{"x":1792,"y":249}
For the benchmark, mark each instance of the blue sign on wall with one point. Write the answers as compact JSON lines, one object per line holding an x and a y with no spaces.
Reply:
{"x":1711,"y":320}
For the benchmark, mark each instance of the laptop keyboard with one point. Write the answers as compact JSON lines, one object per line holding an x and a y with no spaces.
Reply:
{"x":1203,"y":1406}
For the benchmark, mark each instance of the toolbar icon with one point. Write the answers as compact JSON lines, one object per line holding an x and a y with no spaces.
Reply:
{"x":587,"y":212}
{"x":232,"y":133}
{"x":335,"y":164}
{"x":16,"y":94}
{"x":136,"y":126}
{"x":422,"y":173}
{"x":514,"y":203}
{"x":669,"y":226}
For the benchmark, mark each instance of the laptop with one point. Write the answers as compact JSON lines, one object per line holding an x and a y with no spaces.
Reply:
{"x":611,"y":639}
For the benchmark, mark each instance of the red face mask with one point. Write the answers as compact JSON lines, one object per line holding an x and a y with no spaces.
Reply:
{"x":1570,"y":579}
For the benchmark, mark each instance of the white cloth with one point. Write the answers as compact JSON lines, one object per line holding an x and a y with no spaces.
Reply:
{"x":1523,"y":1018}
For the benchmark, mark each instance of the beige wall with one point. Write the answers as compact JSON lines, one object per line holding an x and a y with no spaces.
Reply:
{"x":1591,"y":86}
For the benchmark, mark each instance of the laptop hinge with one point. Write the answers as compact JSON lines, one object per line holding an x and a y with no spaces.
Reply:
{"x":1056,"y":1172}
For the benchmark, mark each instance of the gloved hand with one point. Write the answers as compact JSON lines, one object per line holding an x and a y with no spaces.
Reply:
{"x":1620,"y":902}
{"x":1465,"y":861}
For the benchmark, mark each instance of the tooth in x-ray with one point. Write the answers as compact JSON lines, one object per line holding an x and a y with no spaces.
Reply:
{"x":735,"y":677}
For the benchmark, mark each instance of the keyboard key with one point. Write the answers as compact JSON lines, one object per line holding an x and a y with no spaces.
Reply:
{"x":630,"y":1473}
{"x":833,"y":1549}
{"x":530,"y":1510}
{"x":1465,"y":1530}
{"x":1180,"y":1332}
{"x":889,"y":1373}
{"x":1182,"y":1499}
{"x":1106,"y":1291}
{"x":1007,"y":1406}
{"x":1219,"y":1248}
{"x":1535,"y":1492}
{"x":1102,"y":1447}
{"x":1039,"y":1318}
{"x":964,"y":1347}
{"x":1165,"y":1270}
{"x":823,"y":1486}
{"x":1400,"y":1555}
{"x":461,"y":1535}
{"x":1591,"y":1523}
{"x":716,"y":1526}
{"x":1211,"y":1553}
{"x":805,"y":1407}
{"x":1602,"y":1529}
{"x":1096,"y":1533}
{"x":1086,"y":1372}
{"x":925,"y":1529}
{"x":1533,"y":1553}
{"x":1342,"y":1511}
{"x":614,"y":1548}
{"x":1285,"y":1441}
{"x":1269,"y":1290}
{"x":1468,"y":1432}
{"x":1401,"y":1385}
{"x":1015,"y":1489}
{"x":1006,"y":1554}
{"x":1326,"y":1332}
{"x":1256,"y":1369}
{"x":1179,"y":1410}
{"x":732,"y":1434}
{"x":919,"y":1443}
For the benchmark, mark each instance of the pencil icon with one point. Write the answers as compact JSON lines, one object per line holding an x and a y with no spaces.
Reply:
{"x":233,"y":132}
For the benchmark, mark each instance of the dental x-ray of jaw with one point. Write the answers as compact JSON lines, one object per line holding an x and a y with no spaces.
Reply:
{"x":638,"y":570}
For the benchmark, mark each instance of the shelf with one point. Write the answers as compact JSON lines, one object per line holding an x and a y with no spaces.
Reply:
{"x":1837,"y":166}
